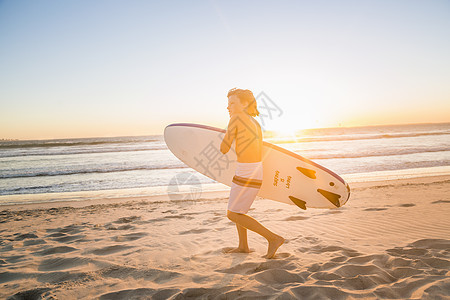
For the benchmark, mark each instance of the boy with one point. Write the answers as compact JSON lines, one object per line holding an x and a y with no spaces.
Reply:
{"x":247,"y":134}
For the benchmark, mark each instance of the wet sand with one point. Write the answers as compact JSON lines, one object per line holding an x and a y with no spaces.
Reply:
{"x":390,"y":241}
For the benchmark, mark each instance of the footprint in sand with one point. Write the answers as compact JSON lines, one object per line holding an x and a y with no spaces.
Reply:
{"x":127,"y":219}
{"x":247,"y":268}
{"x":440,"y":202}
{"x":21,"y":237}
{"x":194,"y":231}
{"x":213,"y":220}
{"x":278,"y":276}
{"x":69,"y":238}
{"x":154,"y":275}
{"x":110,"y":249}
{"x":69,"y":229}
{"x":34,"y":242}
{"x":122,"y":227}
{"x":14,"y":258}
{"x":375,"y":209}
{"x":56,"y":234}
{"x":319,"y":249}
{"x":62,"y":263}
{"x":140,"y":293}
{"x":54,"y":250}
{"x":38,"y":293}
{"x":130,"y":237}
{"x":296,"y":218}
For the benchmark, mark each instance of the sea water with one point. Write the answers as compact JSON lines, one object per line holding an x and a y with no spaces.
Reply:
{"x":130,"y":166}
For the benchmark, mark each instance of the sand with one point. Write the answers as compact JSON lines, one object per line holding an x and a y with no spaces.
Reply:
{"x":390,"y":241}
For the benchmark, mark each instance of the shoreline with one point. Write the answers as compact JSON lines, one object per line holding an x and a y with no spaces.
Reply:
{"x":161,"y":192}
{"x":205,"y":195}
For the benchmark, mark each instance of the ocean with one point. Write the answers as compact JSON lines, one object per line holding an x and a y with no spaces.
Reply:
{"x":79,"y":169}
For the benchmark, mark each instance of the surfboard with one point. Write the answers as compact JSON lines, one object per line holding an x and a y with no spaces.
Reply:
{"x":288,"y":177}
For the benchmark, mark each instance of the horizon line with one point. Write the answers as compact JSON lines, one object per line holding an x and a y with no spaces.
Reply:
{"x":268,"y":131}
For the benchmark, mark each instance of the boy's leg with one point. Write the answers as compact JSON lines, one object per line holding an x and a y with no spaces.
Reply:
{"x":275,"y":241}
{"x":243,"y":243}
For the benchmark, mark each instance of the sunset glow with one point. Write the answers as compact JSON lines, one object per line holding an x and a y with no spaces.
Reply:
{"x":72,"y":70}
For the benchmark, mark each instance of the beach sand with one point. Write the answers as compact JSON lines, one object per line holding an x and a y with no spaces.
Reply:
{"x":390,"y":241}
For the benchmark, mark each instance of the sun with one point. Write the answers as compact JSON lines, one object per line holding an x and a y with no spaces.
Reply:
{"x":289,"y":128}
{"x":285,"y":131}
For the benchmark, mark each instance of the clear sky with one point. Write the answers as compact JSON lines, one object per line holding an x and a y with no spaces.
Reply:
{"x":111,"y":68}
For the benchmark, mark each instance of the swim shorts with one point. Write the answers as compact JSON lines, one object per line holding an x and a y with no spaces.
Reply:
{"x":246,"y":184}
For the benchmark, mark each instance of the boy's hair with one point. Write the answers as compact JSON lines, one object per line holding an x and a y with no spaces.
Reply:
{"x":247,"y":98}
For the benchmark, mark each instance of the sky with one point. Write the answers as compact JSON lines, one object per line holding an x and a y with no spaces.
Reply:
{"x":116,"y":68}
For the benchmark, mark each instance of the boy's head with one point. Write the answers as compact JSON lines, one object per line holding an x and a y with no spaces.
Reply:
{"x":246,"y":103}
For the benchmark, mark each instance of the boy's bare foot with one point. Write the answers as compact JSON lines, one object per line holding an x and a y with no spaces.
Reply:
{"x":273,"y":246}
{"x":237,"y":250}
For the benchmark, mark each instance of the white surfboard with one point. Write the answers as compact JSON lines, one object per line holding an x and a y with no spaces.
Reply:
{"x":288,"y":177}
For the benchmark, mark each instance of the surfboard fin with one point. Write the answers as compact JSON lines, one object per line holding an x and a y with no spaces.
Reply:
{"x":298,"y":202}
{"x":332,"y":197}
{"x":307,"y":172}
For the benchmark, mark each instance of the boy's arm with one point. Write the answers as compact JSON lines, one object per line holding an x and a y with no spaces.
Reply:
{"x":230,"y":135}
